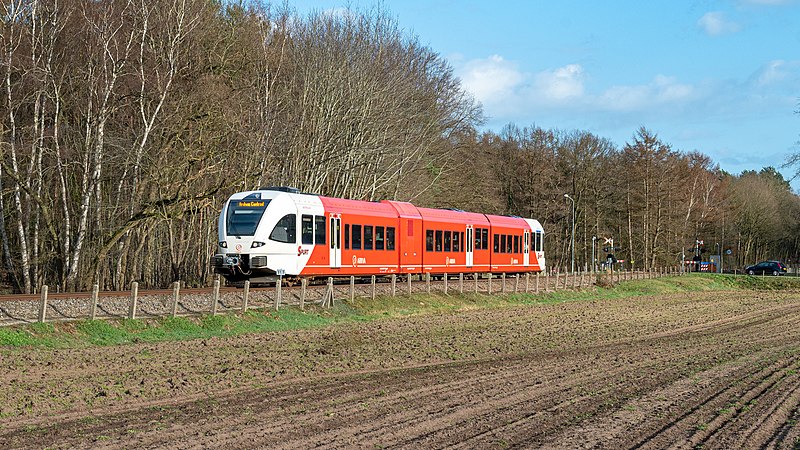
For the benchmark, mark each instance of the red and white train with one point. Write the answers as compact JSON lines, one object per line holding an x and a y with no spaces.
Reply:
{"x":280,"y":231}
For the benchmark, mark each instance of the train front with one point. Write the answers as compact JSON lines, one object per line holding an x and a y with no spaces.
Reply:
{"x":252,"y":237}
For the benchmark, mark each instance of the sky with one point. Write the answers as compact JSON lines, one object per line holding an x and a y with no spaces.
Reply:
{"x":721,"y":77}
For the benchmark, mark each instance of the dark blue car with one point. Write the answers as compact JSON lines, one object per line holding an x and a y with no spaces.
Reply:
{"x":766,"y":268}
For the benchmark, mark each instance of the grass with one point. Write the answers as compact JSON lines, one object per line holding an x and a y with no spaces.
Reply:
{"x":120,"y":332}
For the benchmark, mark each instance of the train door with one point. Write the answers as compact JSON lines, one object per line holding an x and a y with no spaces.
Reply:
{"x":526,"y":248}
{"x":470,"y":243}
{"x":336,"y":242}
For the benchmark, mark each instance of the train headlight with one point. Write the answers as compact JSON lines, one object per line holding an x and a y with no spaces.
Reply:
{"x":223,"y":244}
{"x":257,"y":244}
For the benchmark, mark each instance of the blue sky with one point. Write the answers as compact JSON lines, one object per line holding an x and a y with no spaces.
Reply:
{"x":721,"y":77}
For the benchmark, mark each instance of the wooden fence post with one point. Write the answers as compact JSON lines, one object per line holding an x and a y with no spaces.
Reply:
{"x":303,"y":284}
{"x":246,"y":296}
{"x":328,"y":299}
{"x":546,"y":280}
{"x":95,"y":293}
{"x":394,"y":284}
{"x":475,"y":276}
{"x":537,"y":281}
{"x":445,"y":283}
{"x":214,"y":297}
{"x":278,"y":293}
{"x":352,"y":288}
{"x":176,"y":295}
{"x":43,"y":305}
{"x":408,"y":278}
{"x":527,"y":282}
{"x":373,"y":287}
{"x":516,"y":284}
{"x":134,"y":299}
{"x":428,"y":282}
{"x":503,"y":285}
{"x":461,"y":283}
{"x":490,"y":282}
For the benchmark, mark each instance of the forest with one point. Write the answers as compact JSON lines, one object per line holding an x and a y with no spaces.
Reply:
{"x":127,"y":123}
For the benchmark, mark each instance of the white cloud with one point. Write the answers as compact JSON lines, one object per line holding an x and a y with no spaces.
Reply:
{"x":492,"y":79}
{"x":776,"y":73}
{"x":563,"y":83}
{"x":662,"y":91}
{"x":715,"y":24}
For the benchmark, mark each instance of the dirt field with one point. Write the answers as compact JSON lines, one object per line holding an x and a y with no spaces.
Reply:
{"x":711,"y":370}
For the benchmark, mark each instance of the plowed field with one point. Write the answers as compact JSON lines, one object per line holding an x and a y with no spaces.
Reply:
{"x":710,"y":370}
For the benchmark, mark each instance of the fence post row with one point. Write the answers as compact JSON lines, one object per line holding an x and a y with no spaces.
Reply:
{"x":578,"y":282}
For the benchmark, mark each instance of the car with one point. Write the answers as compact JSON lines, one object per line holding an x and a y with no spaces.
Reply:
{"x":766,"y":268}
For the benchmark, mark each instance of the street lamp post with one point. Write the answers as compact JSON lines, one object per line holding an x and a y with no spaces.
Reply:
{"x":572,"y":263}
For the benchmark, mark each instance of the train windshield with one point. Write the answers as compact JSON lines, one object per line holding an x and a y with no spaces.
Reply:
{"x":244,"y":215}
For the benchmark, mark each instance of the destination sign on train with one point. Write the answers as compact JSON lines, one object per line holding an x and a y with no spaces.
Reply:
{"x":251,"y":204}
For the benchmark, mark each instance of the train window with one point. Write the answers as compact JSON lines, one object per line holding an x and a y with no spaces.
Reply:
{"x":347,"y":236}
{"x":428,"y":240}
{"x":243,"y":216}
{"x":533,"y":241}
{"x":368,"y":237}
{"x":438,"y":240}
{"x":447,"y":241}
{"x":390,"y":238}
{"x":356,"y":239}
{"x":285,"y":230}
{"x":497,"y":243}
{"x":540,"y":245}
{"x":509,"y":244}
{"x":378,"y":238}
{"x":503,"y":243}
{"x":478,"y":238}
{"x":307,"y":229}
{"x":456,"y":243}
{"x":516,"y":244}
{"x":485,"y":238}
{"x":319,"y":230}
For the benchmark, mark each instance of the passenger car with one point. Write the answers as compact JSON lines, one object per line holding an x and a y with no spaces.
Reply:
{"x":766,"y":268}
{"x":279,"y":230}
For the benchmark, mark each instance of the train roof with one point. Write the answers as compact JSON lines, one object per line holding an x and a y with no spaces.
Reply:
{"x":454,"y":216}
{"x":359,"y":207}
{"x":505,"y":221}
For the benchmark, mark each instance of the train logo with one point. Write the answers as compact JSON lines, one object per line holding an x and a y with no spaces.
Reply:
{"x":302,"y":251}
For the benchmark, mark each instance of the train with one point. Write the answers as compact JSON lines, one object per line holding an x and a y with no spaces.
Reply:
{"x":281,"y":233}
